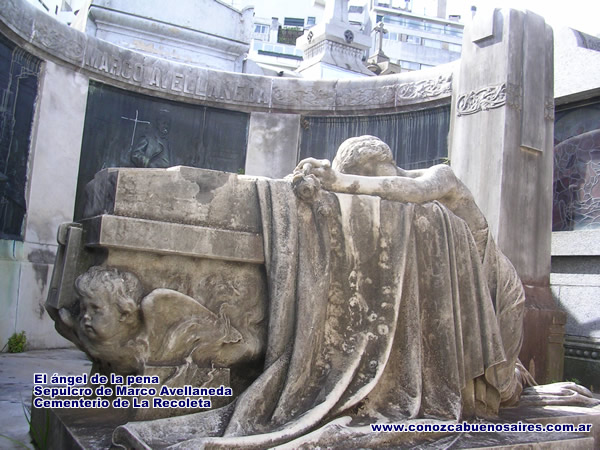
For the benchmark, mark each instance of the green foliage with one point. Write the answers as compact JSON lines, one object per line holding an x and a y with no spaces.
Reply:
{"x":40,"y":437}
{"x":17,"y":343}
{"x":15,"y":442}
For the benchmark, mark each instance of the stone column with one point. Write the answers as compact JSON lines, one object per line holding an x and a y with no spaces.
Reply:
{"x":502,"y":148}
{"x":53,"y":169}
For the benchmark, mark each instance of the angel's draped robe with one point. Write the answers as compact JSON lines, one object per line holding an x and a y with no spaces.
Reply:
{"x":380,"y":311}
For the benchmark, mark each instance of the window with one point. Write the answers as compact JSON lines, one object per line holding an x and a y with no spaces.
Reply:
{"x":261,"y":29}
{"x":453,"y":31}
{"x":413,"y":39}
{"x":310,"y":21}
{"x":454,"y":47}
{"x":293,"y":22}
{"x":415,"y":24}
{"x":356,"y":9}
{"x":432,"y":43}
{"x":409,"y":65}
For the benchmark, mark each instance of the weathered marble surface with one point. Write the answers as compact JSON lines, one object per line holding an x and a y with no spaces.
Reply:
{"x":165,"y":259}
{"x":380,"y":297}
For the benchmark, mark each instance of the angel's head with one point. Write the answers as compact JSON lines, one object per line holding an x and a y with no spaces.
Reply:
{"x":365,"y":155}
{"x":109,"y":302}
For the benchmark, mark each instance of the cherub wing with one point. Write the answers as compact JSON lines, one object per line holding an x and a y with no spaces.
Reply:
{"x":178,"y":323}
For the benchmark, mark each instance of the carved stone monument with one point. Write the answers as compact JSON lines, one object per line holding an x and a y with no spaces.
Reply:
{"x":379,"y":63}
{"x":345,"y":295}
{"x":334,"y":48}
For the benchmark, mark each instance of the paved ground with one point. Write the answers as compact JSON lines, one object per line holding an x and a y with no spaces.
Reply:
{"x":16,"y":383}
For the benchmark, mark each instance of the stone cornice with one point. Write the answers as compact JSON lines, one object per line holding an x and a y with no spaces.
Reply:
{"x":49,"y":39}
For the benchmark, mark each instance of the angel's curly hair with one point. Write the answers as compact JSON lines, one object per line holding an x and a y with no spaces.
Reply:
{"x":124,"y":287}
{"x":353,"y":153}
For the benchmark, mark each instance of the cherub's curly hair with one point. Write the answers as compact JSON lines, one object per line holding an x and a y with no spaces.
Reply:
{"x":353,"y":153}
{"x":124,"y":287}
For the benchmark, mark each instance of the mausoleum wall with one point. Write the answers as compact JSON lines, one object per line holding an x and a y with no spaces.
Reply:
{"x":97,"y":103}
{"x":73,"y":61}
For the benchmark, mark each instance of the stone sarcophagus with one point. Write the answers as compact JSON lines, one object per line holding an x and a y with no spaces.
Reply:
{"x":164,"y":276}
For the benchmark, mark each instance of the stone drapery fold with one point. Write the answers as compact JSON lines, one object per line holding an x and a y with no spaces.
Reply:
{"x":380,"y":311}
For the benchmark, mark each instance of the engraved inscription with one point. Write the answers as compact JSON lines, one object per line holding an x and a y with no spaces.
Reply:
{"x":112,"y":65}
{"x":225,"y":90}
{"x":481,"y":100}
{"x":192,"y":82}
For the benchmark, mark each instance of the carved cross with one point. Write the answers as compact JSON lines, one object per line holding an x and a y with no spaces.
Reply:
{"x":379,"y":29}
{"x":135,"y":122}
{"x":336,"y":11}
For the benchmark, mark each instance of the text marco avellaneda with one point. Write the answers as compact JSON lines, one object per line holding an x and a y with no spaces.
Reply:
{"x":83,"y":391}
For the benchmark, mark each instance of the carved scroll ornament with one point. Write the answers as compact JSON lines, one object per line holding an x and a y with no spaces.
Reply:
{"x":481,"y":100}
{"x":426,"y":88}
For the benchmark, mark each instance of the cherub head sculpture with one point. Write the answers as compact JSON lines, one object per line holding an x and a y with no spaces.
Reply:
{"x":109,"y":304}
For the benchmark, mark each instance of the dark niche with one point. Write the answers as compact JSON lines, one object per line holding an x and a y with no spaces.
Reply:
{"x":418,"y":139}
{"x":125,"y":129}
{"x":19,"y":73}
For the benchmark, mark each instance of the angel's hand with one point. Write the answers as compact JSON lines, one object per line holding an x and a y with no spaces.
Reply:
{"x":566,"y":394}
{"x":320,"y":168}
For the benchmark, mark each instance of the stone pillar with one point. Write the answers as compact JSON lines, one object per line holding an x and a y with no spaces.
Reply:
{"x":441,"y":9}
{"x":273,"y":143}
{"x":502,"y":148}
{"x":53,"y":169}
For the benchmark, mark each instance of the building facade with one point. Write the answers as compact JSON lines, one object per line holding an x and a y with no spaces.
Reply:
{"x":416,"y":41}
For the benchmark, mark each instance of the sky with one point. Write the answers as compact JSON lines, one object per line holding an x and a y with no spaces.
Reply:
{"x":583,"y":15}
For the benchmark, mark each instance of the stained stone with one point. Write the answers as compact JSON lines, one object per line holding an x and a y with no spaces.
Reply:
{"x":338,"y":297}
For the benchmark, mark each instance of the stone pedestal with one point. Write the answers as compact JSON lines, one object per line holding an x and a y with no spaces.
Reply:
{"x":380,"y":64}
{"x":334,"y":49}
{"x":92,"y":429}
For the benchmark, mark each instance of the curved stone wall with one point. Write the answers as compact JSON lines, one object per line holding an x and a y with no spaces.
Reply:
{"x":500,"y":140}
{"x":100,"y":60}
{"x":72,"y":66}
